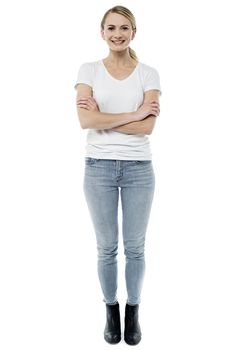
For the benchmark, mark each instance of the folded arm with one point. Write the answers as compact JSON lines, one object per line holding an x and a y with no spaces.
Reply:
{"x":146,"y":125}
{"x":91,"y":118}
{"x":141,"y":127}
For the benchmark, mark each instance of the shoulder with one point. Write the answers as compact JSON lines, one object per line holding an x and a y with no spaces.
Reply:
{"x":86,"y":73}
{"x":149,"y":77}
{"x":147,"y":69}
{"x":90,"y":65}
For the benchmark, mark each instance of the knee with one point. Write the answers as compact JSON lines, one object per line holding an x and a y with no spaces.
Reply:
{"x":134,"y":252}
{"x":107,"y":252}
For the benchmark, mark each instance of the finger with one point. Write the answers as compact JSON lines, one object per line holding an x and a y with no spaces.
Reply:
{"x":91,"y":103}
{"x":82,"y":99}
{"x":82,"y":105}
{"x":94,"y":105}
{"x":89,"y":99}
{"x":81,"y":102}
{"x":154,"y":103}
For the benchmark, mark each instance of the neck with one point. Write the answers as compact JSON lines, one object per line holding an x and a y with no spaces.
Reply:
{"x":119,"y":58}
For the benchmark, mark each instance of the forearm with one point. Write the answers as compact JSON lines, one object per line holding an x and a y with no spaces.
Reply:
{"x":144,"y":127}
{"x":100,"y":121}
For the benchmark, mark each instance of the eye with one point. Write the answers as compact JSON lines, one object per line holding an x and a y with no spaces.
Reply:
{"x":125,"y":28}
{"x":110,"y":28}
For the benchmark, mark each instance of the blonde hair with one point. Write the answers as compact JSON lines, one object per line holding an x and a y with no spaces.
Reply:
{"x":121,"y":10}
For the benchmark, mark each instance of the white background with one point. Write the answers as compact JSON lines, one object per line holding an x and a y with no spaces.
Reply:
{"x":50,"y":295}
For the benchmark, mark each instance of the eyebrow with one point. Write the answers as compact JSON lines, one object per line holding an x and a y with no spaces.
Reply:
{"x":113,"y":25}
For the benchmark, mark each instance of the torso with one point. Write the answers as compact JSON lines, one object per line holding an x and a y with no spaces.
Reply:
{"x":120,"y":73}
{"x":122,"y":94}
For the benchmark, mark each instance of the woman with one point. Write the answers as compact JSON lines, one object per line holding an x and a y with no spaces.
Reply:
{"x":118,"y":101}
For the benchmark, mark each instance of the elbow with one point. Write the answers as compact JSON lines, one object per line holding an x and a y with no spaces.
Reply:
{"x":150,"y":125}
{"x":148,"y":131}
{"x":82,"y":124}
{"x":82,"y":121}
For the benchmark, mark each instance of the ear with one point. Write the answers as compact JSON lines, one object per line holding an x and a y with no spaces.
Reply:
{"x":133,"y":35}
{"x":102,"y":34}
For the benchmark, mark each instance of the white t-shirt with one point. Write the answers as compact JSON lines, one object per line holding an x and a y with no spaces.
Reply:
{"x":118,"y":96}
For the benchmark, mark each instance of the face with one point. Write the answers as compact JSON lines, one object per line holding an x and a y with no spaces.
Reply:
{"x":117,"y":32}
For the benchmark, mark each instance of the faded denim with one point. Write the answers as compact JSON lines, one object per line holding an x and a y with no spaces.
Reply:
{"x":134,"y":181}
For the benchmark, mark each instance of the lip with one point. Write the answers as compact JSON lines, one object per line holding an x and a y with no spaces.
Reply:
{"x":117,"y":42}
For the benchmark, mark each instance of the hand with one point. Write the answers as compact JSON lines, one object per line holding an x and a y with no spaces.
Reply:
{"x":88,"y":103}
{"x":147,"y":108}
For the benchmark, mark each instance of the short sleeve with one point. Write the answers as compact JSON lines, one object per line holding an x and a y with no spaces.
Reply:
{"x":152,"y":80}
{"x":85,"y":75}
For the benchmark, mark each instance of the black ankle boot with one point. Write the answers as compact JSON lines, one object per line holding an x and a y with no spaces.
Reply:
{"x":132,"y":332}
{"x":112,"y":332}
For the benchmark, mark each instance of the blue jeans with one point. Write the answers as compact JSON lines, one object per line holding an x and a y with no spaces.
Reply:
{"x":104,"y":179}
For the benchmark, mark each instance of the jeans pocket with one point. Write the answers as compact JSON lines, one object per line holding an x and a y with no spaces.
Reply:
{"x":143,"y":162}
{"x":90,"y":161}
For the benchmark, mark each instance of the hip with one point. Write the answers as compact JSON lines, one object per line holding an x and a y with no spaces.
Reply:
{"x":119,"y":172}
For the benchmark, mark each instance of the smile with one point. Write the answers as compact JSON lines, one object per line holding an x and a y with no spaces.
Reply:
{"x":118,"y":42}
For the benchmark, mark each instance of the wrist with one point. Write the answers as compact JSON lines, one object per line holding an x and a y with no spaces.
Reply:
{"x":133,"y":116}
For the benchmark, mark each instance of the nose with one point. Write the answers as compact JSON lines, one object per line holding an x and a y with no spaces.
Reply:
{"x":117,"y":33}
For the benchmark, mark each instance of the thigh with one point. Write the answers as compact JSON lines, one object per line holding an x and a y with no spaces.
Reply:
{"x":102,"y":196}
{"x":137,"y":192}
